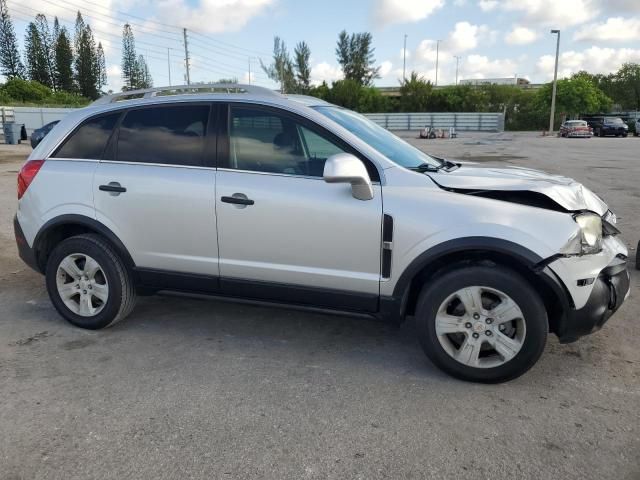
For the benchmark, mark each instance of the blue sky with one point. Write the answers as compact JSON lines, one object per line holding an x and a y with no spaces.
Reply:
{"x":493,"y":38}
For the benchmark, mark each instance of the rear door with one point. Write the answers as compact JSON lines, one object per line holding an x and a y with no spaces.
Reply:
{"x":155,"y":189}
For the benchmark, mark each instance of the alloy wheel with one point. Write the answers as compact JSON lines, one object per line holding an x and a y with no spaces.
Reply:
{"x":480,"y":327}
{"x":82,"y":285}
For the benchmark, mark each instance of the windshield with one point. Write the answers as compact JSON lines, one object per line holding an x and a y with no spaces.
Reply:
{"x":385,"y":142}
{"x":614,"y":120}
{"x":577,"y":124}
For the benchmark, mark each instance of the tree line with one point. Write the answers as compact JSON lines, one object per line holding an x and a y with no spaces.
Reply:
{"x":583,"y":93}
{"x":61,"y":67}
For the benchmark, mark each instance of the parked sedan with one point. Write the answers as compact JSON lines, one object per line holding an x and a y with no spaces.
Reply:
{"x":39,"y":133}
{"x":637,"y":129}
{"x":576,"y":128}
{"x":603,"y":126}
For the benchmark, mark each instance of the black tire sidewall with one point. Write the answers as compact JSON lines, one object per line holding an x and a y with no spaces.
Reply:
{"x":507,"y":281}
{"x":114,"y":301}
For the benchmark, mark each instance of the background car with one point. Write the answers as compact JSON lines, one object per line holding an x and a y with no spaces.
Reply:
{"x":39,"y":133}
{"x":603,"y":126}
{"x":575,"y":128}
{"x":637,"y":129}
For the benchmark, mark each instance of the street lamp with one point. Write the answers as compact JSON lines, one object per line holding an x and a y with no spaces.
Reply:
{"x":555,"y":83}
{"x":457,"y":57}
{"x":437,"y":58}
{"x":404,"y":59}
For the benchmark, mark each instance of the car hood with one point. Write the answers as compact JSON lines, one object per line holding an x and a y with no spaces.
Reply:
{"x":566,"y":192}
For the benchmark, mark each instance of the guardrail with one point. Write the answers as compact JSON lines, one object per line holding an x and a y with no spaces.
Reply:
{"x":478,"y":122}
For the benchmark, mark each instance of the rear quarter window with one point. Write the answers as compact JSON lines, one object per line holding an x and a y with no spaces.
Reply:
{"x":90,"y":139}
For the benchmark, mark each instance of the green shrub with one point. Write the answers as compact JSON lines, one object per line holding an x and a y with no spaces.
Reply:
{"x":66,"y":99}
{"x":25,"y":91}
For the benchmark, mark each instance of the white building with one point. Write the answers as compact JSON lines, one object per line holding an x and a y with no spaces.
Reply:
{"x":495,"y":81}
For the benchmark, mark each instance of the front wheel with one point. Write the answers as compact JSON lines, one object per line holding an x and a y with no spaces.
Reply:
{"x":482,"y":324}
{"x":88,"y":283}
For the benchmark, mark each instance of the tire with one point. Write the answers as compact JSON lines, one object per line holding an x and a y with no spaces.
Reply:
{"x":624,"y":135}
{"x":108,"y":287}
{"x":529,"y":330}
{"x":638,"y":257}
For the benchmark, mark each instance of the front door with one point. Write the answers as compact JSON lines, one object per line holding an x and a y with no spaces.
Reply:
{"x":283,"y":232}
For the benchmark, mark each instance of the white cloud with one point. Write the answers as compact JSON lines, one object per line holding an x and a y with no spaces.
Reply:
{"x":480,"y":66}
{"x":487,"y":5}
{"x":521,"y":36}
{"x":463,"y":38}
{"x":614,"y":29}
{"x":388,"y":12}
{"x":114,"y":77}
{"x":466,"y":36}
{"x":554,"y":13}
{"x":325,"y":72}
{"x":212,"y":16}
{"x":594,"y":60}
{"x":402,"y":54}
{"x":385,"y":68}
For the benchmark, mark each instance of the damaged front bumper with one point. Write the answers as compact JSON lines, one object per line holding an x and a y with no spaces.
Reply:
{"x":610,"y":289}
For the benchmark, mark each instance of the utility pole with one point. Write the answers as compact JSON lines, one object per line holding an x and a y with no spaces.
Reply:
{"x":437,"y":58}
{"x":186,"y":55}
{"x":169,"y":64}
{"x":282,"y":78}
{"x":404,"y":59}
{"x":457,"y":64}
{"x":249,"y":70}
{"x":555,"y":84}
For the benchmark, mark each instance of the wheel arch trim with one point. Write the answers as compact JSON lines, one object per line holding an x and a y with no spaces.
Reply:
{"x":82,"y":221}
{"x":395,"y":307}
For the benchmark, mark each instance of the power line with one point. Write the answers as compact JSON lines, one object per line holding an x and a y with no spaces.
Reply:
{"x":96,"y":30}
{"x":204,"y":64}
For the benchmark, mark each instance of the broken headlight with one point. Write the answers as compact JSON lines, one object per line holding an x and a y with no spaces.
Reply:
{"x":590,"y":232}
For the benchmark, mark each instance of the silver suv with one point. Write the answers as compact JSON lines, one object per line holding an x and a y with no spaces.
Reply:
{"x":238,"y":191}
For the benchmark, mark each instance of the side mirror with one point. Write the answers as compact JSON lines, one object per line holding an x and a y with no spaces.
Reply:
{"x":346,"y":168}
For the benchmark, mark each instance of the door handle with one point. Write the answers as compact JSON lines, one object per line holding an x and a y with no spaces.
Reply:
{"x":112,"y":187}
{"x":237,"y":200}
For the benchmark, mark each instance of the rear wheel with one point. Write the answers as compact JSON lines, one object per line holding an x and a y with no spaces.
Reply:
{"x":483,"y":324}
{"x":88,"y":283}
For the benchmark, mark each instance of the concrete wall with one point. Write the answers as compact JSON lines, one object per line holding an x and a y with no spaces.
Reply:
{"x":478,"y":122}
{"x":33,"y":117}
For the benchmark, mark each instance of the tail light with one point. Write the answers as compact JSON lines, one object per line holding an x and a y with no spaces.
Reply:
{"x":27,"y":173}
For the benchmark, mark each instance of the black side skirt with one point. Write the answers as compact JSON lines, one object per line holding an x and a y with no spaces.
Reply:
{"x":257,"y":290}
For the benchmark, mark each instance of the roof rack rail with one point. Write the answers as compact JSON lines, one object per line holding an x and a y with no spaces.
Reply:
{"x":183,"y":90}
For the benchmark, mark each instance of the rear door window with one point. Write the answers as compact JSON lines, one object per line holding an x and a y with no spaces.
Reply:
{"x":170,"y":135}
{"x":90,"y":140}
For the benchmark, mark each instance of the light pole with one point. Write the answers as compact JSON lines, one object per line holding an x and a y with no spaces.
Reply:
{"x":555,"y":83}
{"x":457,"y":64}
{"x":404,"y":59}
{"x":437,"y":58}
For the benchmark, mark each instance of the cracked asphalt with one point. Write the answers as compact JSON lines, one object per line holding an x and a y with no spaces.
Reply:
{"x":206,"y":388}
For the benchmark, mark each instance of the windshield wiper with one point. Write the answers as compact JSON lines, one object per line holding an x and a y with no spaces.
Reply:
{"x":425,"y":167}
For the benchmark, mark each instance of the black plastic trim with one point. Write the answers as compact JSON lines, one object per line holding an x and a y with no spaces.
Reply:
{"x":607,"y":295}
{"x":237,"y":200}
{"x":91,"y":224}
{"x":258,"y":290}
{"x":112,"y":188}
{"x":518,"y":252}
{"x":25,"y":252}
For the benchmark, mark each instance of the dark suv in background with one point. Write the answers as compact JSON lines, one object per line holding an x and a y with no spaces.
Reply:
{"x":603,"y":126}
